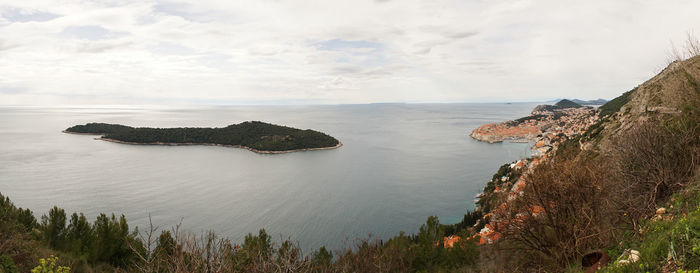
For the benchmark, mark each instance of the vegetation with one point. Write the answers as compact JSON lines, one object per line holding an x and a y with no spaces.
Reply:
{"x":566,"y":209}
{"x":585,"y":200}
{"x":108,"y":245}
{"x":605,"y":197}
{"x":7,"y":265}
{"x":256,"y":135}
{"x":50,"y":266}
{"x":567,"y":104}
{"x":669,"y":242}
{"x":615,"y":104}
{"x":527,"y":118}
{"x":467,"y":223}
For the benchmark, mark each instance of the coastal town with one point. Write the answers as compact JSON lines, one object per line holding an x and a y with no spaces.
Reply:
{"x":547,"y":126}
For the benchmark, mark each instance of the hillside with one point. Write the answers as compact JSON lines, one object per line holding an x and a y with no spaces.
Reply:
{"x":567,"y":104}
{"x":256,"y":136}
{"x":673,"y":92}
{"x":597,"y":189}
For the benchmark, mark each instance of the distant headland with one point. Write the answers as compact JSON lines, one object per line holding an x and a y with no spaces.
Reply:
{"x":256,"y":136}
{"x":544,"y":126}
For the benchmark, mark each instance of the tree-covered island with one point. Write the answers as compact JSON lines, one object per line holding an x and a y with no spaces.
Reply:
{"x":259,"y":137}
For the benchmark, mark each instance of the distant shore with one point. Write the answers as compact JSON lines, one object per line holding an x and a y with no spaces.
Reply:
{"x":76,"y":133}
{"x":340,"y":144}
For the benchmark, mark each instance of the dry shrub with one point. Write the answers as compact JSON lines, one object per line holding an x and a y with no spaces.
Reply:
{"x":690,"y":49}
{"x":374,"y":256}
{"x":655,"y":160}
{"x":574,"y":205}
{"x":568,"y":207}
{"x":174,"y":251}
{"x":180,"y":252}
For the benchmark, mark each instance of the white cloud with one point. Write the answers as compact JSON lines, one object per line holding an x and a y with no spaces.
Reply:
{"x":230,"y":52}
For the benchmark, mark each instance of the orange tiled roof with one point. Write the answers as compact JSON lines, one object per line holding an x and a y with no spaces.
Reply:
{"x":448,"y":242}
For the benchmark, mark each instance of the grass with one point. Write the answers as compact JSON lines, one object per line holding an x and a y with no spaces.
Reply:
{"x":672,"y":243}
{"x":692,"y":81}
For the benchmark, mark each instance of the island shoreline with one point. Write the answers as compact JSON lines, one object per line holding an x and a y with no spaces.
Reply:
{"x":340,"y":144}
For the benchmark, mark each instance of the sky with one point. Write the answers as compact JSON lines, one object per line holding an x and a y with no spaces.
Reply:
{"x":218,"y":52}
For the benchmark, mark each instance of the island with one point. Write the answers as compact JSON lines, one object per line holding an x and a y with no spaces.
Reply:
{"x":256,"y":136}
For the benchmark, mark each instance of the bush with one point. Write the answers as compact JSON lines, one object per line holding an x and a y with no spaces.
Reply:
{"x":656,"y":159}
{"x":50,"y":265}
{"x":322,"y":257}
{"x":16,"y":218}
{"x":670,"y":241}
{"x":567,"y":208}
{"x":7,"y":265}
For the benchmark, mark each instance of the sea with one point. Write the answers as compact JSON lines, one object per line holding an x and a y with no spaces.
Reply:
{"x":399,"y":164}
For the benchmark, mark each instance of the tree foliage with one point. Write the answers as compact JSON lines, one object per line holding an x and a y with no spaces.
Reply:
{"x":257,"y":135}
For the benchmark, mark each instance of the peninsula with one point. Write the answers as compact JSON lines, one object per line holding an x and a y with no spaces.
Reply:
{"x":256,"y":136}
{"x":546,"y":125}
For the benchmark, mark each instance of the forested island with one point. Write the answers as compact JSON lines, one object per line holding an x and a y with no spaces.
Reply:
{"x":256,"y":136}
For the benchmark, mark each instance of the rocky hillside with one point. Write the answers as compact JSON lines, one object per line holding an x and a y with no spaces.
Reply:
{"x":670,"y":93}
{"x":595,"y":185}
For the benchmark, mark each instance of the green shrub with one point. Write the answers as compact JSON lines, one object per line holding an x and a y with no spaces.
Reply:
{"x":7,"y":265}
{"x":322,"y":257}
{"x":50,"y":265}
{"x":615,"y":104}
{"x":677,"y":239}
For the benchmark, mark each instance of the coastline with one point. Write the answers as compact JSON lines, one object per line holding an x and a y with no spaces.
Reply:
{"x":76,"y":133}
{"x":340,"y":144}
{"x":499,"y":138}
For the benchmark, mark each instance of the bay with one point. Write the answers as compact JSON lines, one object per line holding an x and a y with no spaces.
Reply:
{"x":400,"y":163}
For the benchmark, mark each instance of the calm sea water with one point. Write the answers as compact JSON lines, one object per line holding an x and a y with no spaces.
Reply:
{"x":400,"y":163}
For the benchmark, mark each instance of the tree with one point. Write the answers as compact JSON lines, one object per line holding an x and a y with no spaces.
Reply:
{"x":111,"y":241}
{"x":54,"y":227}
{"x":322,"y":257}
{"x":429,"y":249}
{"x":79,"y":234}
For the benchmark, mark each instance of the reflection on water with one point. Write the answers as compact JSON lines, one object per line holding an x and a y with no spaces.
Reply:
{"x":400,"y":163}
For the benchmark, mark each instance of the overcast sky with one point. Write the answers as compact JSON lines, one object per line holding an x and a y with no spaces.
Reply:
{"x":58,"y":52}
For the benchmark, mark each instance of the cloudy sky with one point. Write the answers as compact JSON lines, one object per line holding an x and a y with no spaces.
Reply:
{"x":58,"y":52}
